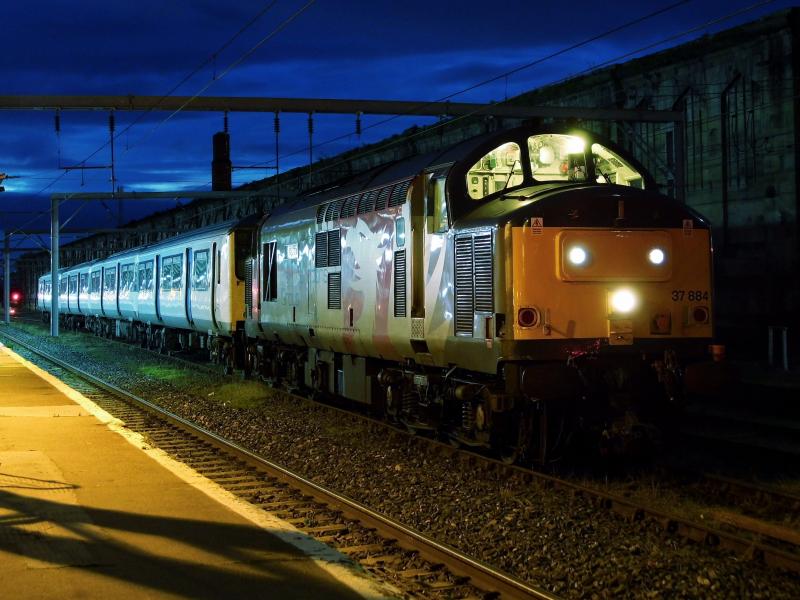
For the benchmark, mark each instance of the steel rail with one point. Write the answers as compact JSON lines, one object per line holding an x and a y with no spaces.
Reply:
{"x":479,"y":574}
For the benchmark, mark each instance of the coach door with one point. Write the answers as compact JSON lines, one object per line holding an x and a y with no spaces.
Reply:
{"x":188,"y":286}
{"x":102,"y":290}
{"x":157,"y":277}
{"x":214,"y":280}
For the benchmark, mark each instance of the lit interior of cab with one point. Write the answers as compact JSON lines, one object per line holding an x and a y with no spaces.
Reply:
{"x":557,"y":157}
{"x":610,"y":168}
{"x":553,"y":157}
{"x":495,"y":171}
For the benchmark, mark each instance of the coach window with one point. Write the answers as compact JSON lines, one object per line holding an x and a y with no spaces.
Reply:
{"x":126,"y":278}
{"x":200,"y":271}
{"x":84,"y":283}
{"x":270,"y":278}
{"x":495,"y":171}
{"x":95,"y":289}
{"x":171,"y":272}
{"x":610,"y":168}
{"x":145,"y":278}
{"x":110,"y":280}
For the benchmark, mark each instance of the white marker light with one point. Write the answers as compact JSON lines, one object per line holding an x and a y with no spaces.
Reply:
{"x":656,"y":256}
{"x":623,"y":301}
{"x":577,"y":256}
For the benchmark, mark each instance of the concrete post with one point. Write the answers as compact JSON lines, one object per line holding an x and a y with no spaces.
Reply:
{"x":54,"y":249}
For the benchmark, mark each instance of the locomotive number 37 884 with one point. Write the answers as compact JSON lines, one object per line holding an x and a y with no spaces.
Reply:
{"x":690,"y":295}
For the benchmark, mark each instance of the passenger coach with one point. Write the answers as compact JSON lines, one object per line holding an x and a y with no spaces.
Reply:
{"x":184,"y":292}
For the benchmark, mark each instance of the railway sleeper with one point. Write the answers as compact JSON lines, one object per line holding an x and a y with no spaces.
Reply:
{"x":362,"y":549}
{"x":331,"y":528}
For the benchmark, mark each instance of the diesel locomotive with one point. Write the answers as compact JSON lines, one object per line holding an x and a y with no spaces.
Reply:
{"x":518,"y":291}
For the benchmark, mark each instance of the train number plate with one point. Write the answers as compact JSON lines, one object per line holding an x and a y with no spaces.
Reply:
{"x":690,"y":295}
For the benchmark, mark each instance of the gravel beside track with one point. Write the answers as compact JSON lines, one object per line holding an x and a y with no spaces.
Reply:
{"x":560,"y":542}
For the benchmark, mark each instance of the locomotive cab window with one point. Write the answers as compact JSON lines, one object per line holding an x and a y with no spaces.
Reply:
{"x":495,"y":171}
{"x":609,"y":167}
{"x":436,"y":209}
{"x":558,"y":157}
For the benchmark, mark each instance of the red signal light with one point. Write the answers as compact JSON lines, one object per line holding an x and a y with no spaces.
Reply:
{"x":15,"y":296}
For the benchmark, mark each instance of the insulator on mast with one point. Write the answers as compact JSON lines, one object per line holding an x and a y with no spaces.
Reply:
{"x":358,"y":124}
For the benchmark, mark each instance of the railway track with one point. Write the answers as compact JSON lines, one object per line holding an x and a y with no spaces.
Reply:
{"x":751,"y":538}
{"x":413,"y":563}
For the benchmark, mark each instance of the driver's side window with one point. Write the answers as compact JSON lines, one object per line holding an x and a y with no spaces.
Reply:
{"x":497,"y":170}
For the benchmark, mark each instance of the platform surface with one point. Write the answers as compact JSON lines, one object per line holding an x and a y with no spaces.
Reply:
{"x":88,"y":512}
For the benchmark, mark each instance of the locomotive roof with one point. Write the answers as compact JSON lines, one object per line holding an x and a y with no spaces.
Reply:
{"x":387,"y":173}
{"x":457,"y":159}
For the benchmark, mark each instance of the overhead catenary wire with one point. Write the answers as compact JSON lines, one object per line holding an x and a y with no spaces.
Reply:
{"x":186,"y":78}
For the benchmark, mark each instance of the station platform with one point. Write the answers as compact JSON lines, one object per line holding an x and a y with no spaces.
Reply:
{"x":89,"y":510}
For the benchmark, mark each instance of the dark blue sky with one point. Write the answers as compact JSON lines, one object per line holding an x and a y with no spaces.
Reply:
{"x":334,"y":49}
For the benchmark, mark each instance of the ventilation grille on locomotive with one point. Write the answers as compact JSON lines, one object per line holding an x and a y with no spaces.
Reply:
{"x":482,"y":259}
{"x":334,"y":290}
{"x":399,"y":193}
{"x":334,"y":248}
{"x":383,"y":197}
{"x":400,"y":283}
{"x":248,"y":287}
{"x":328,"y":248}
{"x":321,"y":249}
{"x":474,"y":279}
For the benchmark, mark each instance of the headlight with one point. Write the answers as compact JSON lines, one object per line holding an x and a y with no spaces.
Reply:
{"x":656,"y":256}
{"x":577,"y":256}
{"x":623,"y":301}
